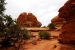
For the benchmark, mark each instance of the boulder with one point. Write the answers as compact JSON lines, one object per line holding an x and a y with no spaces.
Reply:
{"x":28,"y":20}
{"x":67,"y":12}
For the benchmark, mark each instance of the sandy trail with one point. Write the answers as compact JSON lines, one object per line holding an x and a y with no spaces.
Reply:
{"x":49,"y":44}
{"x":42,"y":45}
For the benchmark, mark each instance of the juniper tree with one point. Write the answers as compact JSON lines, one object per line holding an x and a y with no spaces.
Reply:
{"x":10,"y":32}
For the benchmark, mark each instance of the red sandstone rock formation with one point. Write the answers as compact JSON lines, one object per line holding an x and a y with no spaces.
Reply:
{"x":28,"y":20}
{"x":68,"y":10}
{"x":68,"y":32}
{"x":58,"y":21}
{"x":68,"y":29}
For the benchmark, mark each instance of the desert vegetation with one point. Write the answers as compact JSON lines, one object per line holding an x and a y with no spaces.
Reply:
{"x":12,"y":36}
{"x":51,"y":26}
{"x":10,"y":32}
{"x":44,"y":35}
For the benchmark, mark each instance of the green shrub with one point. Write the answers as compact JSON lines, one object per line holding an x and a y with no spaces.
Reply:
{"x":10,"y":32}
{"x":44,"y":35}
{"x":51,"y":26}
{"x":26,"y":34}
{"x":44,"y":27}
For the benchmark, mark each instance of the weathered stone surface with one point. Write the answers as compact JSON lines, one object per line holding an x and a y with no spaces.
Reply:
{"x":57,"y":21}
{"x":68,"y":32}
{"x":68,"y":10}
{"x":68,"y":29}
{"x":28,"y":20}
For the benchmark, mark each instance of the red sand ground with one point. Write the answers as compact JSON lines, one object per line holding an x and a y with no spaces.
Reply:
{"x":49,"y":44}
{"x":42,"y":45}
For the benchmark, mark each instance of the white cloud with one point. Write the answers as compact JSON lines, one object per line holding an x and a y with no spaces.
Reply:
{"x":44,"y":10}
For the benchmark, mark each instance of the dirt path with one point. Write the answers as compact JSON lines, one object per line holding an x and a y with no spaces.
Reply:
{"x":42,"y":45}
{"x":49,"y":44}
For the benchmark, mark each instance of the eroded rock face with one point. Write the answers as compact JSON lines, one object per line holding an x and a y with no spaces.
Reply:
{"x":68,"y":10}
{"x":58,"y":21}
{"x":28,"y":20}
{"x":68,"y":29}
{"x":68,"y":32}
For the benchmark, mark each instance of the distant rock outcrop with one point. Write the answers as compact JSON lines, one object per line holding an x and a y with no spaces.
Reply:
{"x":28,"y":20}
{"x":67,"y":12}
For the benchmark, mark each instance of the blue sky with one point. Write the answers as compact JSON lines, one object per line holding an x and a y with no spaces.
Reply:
{"x":44,"y":10}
